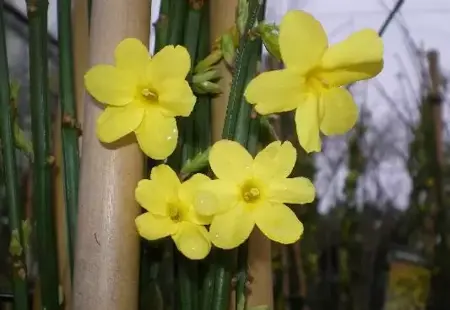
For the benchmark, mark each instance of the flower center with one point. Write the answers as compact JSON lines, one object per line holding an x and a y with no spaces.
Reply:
{"x":250,"y":192}
{"x":174,"y":212}
{"x":149,"y":95}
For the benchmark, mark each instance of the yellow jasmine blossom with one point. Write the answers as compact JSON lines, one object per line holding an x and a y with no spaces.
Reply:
{"x":313,"y":78}
{"x":170,"y":211}
{"x":143,"y":95}
{"x":252,"y":191}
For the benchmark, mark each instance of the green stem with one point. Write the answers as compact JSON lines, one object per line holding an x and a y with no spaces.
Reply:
{"x":235,"y":130}
{"x":202,"y":112}
{"x":208,"y":281}
{"x":43,"y":159}
{"x":177,"y":17}
{"x":239,"y":77}
{"x":162,"y":25}
{"x":247,"y":130}
{"x":69,"y":122}
{"x":151,"y":256}
{"x":178,"y":10}
{"x":188,"y":270}
{"x":17,"y":248}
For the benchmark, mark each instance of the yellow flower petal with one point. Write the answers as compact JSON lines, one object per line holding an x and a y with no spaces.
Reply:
{"x":275,"y":161}
{"x":278,"y":223}
{"x":192,"y":240}
{"x":294,"y":190}
{"x":189,"y":188}
{"x":307,"y":124}
{"x":340,"y":112}
{"x":359,"y":57}
{"x":166,"y":179}
{"x":172,"y":62}
{"x":153,"y":227}
{"x":215,"y":197}
{"x":117,"y":122}
{"x":303,"y":40}
{"x":110,"y":85}
{"x":187,"y":194}
{"x":230,"y":229}
{"x":157,"y":135}
{"x":275,"y":91}
{"x":230,"y":161}
{"x":152,"y":196}
{"x":132,"y":55}
{"x":176,"y":97}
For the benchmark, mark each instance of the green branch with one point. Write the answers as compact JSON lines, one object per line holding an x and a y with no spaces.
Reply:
{"x":11,"y":179}
{"x":43,"y":158}
{"x":70,"y":129}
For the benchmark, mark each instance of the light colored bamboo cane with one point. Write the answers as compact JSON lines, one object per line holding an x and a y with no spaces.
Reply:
{"x":222,"y":14}
{"x":60,"y":215}
{"x":107,"y":250}
{"x":260,"y":268}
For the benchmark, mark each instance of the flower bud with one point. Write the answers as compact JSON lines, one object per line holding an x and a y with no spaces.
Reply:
{"x":214,"y":57}
{"x":269,"y":36}
{"x":196,"y":164}
{"x":228,"y":48}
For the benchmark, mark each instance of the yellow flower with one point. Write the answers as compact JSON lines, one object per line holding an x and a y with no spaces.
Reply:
{"x":252,"y":191}
{"x":143,"y":94}
{"x":171,"y":213}
{"x":313,"y":75}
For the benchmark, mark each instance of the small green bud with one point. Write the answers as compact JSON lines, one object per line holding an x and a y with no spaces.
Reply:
{"x":198,"y":163}
{"x":206,"y":87}
{"x":269,"y":35}
{"x":14,"y":90}
{"x":26,"y":230}
{"x":241,"y":15}
{"x":21,"y":142}
{"x":204,"y":65}
{"x":209,"y":75}
{"x":15,"y":248}
{"x":228,"y":48}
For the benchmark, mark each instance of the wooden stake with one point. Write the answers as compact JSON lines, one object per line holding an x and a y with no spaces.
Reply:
{"x":107,"y":250}
{"x":435,"y":96}
{"x":222,"y":14}
{"x":60,"y":215}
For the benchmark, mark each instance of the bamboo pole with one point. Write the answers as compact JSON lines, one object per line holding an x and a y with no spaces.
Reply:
{"x":260,"y":268}
{"x":222,"y":14}
{"x":60,"y":215}
{"x":107,"y":248}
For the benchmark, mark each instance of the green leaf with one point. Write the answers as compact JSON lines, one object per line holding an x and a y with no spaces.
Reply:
{"x":14,"y":90}
{"x":198,"y":163}
{"x":213,"y":58}
{"x":21,"y":142}
{"x":26,"y":230}
{"x":15,"y":248}
{"x":212,"y":74}
{"x":228,"y":49}
{"x":241,"y":302}
{"x":241,"y":15}
{"x":269,"y":35}
{"x":206,"y":87}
